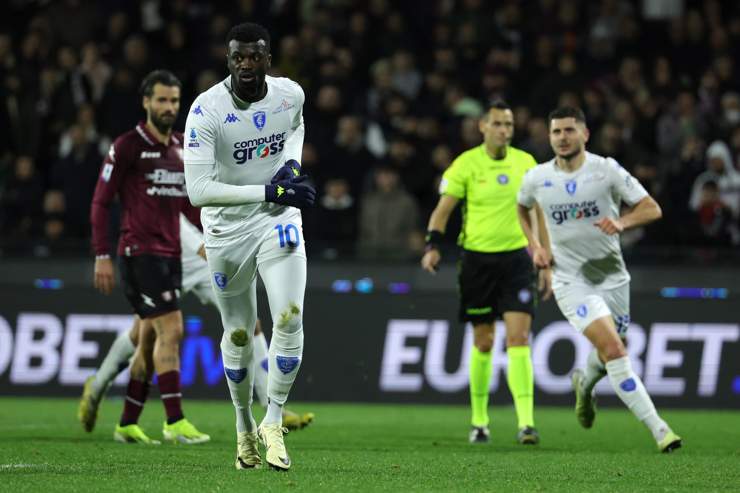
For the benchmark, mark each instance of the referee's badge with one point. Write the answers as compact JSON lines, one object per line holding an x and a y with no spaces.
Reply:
{"x":525,"y":296}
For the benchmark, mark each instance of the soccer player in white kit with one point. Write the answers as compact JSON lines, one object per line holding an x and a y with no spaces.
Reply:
{"x":580,"y":194}
{"x":244,"y":138}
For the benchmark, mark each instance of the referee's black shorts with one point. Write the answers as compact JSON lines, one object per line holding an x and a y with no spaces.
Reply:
{"x":152,"y":284}
{"x":491,"y":284}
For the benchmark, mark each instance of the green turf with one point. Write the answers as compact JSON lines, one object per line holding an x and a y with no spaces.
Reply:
{"x":369,"y":448}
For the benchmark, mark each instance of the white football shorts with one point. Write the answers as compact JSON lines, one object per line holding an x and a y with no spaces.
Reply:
{"x":582,"y":304}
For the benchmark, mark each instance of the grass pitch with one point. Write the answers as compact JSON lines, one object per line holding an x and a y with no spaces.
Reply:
{"x":353,"y":447}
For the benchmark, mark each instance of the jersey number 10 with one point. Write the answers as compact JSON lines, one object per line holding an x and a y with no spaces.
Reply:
{"x":289,"y":235}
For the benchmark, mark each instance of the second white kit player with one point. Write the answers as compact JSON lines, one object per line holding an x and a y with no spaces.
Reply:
{"x":243,"y":144}
{"x":581,"y":194}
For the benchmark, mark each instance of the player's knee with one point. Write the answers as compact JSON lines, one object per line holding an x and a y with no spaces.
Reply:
{"x":238,"y":337}
{"x":521,"y":339}
{"x":613,"y":350}
{"x":483,"y":342}
{"x":290,"y":320}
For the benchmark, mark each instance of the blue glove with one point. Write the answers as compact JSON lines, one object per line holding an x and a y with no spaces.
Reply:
{"x":291,"y":169}
{"x":292,"y":192}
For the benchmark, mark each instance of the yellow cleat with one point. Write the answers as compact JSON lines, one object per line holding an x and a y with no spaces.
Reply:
{"x":247,"y":453}
{"x":669,"y":442}
{"x":132,"y":434}
{"x":87,"y":412}
{"x":271,"y":435}
{"x":294,"y":421}
{"x":184,"y":432}
{"x":585,"y":403}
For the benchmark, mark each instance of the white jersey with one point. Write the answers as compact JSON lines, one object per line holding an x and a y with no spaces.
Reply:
{"x":244,"y":147}
{"x":572,"y":203}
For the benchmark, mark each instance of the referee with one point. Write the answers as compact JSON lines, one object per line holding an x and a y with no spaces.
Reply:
{"x":496,"y":275}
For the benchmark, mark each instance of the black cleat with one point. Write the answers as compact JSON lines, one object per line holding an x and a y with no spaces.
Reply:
{"x":528,"y":436}
{"x":479,"y":434}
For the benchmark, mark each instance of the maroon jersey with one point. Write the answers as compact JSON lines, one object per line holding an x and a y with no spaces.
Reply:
{"x":149,"y":178}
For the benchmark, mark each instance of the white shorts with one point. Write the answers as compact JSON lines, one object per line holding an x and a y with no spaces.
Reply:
{"x":582,"y":304}
{"x":233,"y":265}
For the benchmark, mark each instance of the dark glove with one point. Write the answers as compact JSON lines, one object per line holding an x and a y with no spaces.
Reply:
{"x":291,"y":169}
{"x":293,"y":192}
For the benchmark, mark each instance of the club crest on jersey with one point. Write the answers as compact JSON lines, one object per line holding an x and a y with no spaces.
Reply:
{"x":582,"y":311}
{"x":220,"y":279}
{"x":259,"y":119}
{"x":570,"y":187}
{"x":502,"y":179}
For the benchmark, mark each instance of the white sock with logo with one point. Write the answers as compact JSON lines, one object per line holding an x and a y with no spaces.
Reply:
{"x":260,"y":368}
{"x":114,"y":363}
{"x":630,"y":389}
{"x":237,"y":352}
{"x":593,"y":372}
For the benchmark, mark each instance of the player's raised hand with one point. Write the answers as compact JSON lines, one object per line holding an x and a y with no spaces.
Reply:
{"x":609,"y":226}
{"x":104,"y":279}
{"x":293,"y":192}
{"x":430,"y":260}
{"x":291,"y":169}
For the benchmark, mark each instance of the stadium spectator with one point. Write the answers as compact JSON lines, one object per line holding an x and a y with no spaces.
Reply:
{"x":20,"y":213}
{"x":713,"y":220}
{"x":389,"y":219}
{"x":720,"y":170}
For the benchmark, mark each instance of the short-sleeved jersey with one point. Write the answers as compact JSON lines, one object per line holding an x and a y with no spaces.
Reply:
{"x":244,"y":147}
{"x":149,"y":179}
{"x":572,"y":203}
{"x":489,"y":189}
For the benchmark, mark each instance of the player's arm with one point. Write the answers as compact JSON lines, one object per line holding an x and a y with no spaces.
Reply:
{"x":435,"y":231}
{"x":644,"y":209}
{"x":294,"y":143}
{"x":540,"y":242}
{"x":112,"y":172}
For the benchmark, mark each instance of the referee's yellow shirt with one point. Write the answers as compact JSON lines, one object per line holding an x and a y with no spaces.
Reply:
{"x":489,"y":189}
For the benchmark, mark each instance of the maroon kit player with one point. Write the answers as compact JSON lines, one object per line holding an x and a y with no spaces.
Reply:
{"x":144,"y":168}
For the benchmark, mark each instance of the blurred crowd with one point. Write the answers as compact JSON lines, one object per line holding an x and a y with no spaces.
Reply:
{"x":394,"y":91}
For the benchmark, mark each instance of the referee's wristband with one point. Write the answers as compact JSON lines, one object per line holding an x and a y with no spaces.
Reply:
{"x":434,"y":238}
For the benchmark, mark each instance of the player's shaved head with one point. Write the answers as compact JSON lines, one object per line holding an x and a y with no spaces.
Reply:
{"x":249,"y":32}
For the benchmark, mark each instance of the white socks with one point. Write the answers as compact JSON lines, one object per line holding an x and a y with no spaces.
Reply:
{"x":260,"y":368}
{"x":286,"y":351}
{"x":115,"y":361}
{"x":630,"y":389}
{"x":237,"y":354}
{"x":594,"y":371}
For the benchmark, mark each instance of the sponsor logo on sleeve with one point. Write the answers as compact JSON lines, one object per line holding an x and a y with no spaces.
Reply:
{"x":198,"y":110}
{"x":284,"y":106}
{"x":193,"y":138}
